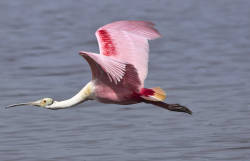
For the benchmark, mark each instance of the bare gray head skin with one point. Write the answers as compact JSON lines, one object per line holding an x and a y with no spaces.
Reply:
{"x":45,"y":102}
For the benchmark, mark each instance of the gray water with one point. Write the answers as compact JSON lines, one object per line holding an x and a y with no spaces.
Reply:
{"x":203,"y":62}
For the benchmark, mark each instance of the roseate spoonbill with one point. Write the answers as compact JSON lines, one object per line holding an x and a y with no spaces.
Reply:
{"x":119,"y":71}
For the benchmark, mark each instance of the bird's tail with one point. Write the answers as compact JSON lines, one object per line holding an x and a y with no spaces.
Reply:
{"x":171,"y":107}
{"x":153,"y":94}
{"x":156,"y":96}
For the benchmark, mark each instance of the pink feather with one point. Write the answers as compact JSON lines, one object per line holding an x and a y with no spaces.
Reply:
{"x":121,"y":67}
{"x":127,"y":41}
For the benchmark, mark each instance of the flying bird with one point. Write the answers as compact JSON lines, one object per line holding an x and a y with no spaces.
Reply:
{"x":119,"y":71}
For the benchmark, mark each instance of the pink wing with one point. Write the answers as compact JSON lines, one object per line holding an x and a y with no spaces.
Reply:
{"x":127,"y":42}
{"x":105,"y":70}
{"x":102,"y":66}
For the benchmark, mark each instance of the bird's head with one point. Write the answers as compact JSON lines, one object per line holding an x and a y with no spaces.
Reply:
{"x":45,"y":102}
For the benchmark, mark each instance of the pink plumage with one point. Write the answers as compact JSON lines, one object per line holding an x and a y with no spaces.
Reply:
{"x":119,"y":71}
{"x":127,"y":41}
{"x":121,"y":67}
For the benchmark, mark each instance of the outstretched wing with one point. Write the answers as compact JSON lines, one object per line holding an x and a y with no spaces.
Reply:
{"x":109,"y":70}
{"x":103,"y":66}
{"x":127,"y":41}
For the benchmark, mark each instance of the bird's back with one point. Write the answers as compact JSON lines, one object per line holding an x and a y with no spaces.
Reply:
{"x":123,"y":92}
{"x":120,"y":69}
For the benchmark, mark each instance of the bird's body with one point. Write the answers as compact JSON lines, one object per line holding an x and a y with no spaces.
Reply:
{"x":119,"y":71}
{"x":121,"y":67}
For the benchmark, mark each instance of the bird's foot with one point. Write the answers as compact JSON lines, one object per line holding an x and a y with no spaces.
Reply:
{"x":179,"y":108}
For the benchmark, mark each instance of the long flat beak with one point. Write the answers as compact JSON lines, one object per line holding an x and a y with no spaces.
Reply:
{"x":36,"y":103}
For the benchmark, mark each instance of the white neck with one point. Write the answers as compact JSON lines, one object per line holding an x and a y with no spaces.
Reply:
{"x":85,"y":94}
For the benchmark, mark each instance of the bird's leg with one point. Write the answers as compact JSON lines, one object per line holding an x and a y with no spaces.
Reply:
{"x":178,"y":108}
{"x":171,"y":107}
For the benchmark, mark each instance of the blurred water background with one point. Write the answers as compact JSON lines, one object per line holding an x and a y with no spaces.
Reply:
{"x":203,"y":62}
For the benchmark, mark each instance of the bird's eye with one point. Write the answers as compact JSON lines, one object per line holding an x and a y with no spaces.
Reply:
{"x":44,"y":101}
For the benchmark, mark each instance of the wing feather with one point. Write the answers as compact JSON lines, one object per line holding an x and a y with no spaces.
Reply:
{"x":101,"y":64}
{"x":127,"y":41}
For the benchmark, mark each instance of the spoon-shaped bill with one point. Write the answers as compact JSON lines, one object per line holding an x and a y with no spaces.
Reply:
{"x":36,"y":103}
{"x":18,"y":104}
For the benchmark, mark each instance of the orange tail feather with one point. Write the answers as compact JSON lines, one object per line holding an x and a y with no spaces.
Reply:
{"x":153,"y":94}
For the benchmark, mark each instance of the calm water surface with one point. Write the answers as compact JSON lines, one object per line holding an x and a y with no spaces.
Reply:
{"x":203,"y":62}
